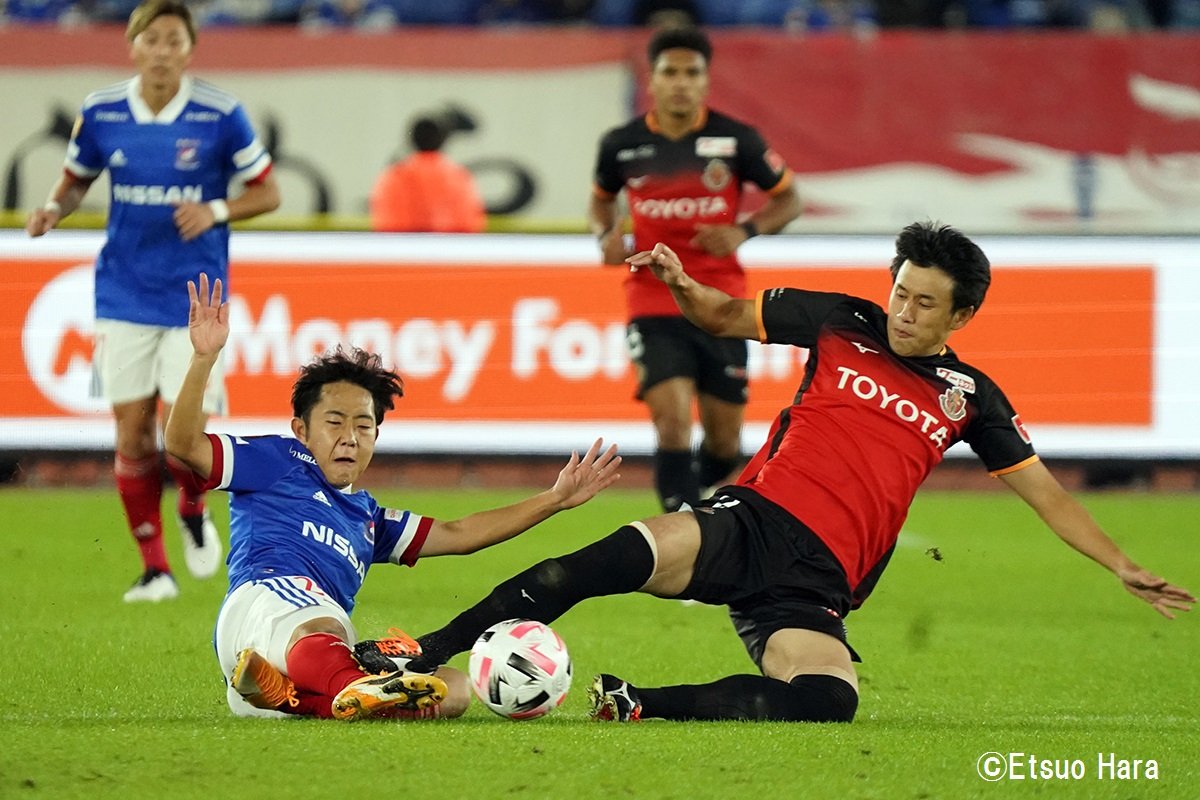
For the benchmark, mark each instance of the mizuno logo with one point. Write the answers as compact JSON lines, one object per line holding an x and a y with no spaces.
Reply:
{"x":319,"y":496}
{"x":862,"y":348}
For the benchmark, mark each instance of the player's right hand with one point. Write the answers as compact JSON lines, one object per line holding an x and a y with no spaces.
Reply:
{"x":208,"y":317}
{"x":41,"y":221}
{"x":662,"y":261}
{"x":612,"y":247}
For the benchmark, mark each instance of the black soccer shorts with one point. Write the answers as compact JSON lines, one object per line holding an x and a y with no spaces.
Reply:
{"x":671,"y":347}
{"x":770,"y":569}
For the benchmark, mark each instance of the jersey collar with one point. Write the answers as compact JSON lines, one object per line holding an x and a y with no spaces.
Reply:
{"x":171,"y":111}
{"x":701,"y":120}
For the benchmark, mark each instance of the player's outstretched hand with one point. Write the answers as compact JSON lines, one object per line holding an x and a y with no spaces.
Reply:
{"x":583,"y":478}
{"x":1156,"y":591}
{"x":208,"y":317}
{"x":662,"y":261}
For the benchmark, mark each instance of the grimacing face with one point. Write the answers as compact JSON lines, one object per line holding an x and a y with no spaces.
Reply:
{"x":340,"y":432}
{"x":679,"y":82}
{"x":920,"y":319}
{"x":162,"y":52}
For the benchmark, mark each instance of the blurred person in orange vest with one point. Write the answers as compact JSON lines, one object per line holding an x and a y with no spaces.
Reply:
{"x":427,"y":191}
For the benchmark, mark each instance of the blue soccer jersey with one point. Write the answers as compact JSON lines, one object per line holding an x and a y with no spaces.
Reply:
{"x":190,"y":151}
{"x":286,"y":519}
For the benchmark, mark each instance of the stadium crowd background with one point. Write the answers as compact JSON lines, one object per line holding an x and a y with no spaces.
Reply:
{"x":815,"y":15}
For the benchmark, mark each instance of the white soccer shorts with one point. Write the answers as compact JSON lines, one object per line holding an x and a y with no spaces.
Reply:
{"x":132,"y":362}
{"x":263,"y":614}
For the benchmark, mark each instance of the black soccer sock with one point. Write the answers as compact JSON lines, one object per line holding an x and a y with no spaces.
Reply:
{"x":807,"y":698}
{"x":675,"y":478}
{"x":619,"y":563}
{"x":715,"y":471}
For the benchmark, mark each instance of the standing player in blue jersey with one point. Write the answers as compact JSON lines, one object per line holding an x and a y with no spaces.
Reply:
{"x":302,"y":539}
{"x":172,"y":146}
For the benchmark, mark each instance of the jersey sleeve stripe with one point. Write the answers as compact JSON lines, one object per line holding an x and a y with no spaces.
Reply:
{"x":758,"y":315}
{"x":784,"y":183}
{"x":252,"y":161}
{"x":222,"y":459}
{"x":1020,"y":465}
{"x":412,"y":538}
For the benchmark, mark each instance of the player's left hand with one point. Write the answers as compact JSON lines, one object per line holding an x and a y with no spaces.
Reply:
{"x":583,"y":478}
{"x":718,"y":240}
{"x":1156,"y":591}
{"x":193,"y":219}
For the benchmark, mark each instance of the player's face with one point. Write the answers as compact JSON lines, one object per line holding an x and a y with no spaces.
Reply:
{"x":679,"y":82}
{"x":162,"y":51}
{"x":340,"y":432}
{"x":920,"y":319}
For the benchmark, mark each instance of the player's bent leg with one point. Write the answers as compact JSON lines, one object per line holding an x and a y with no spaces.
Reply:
{"x":620,"y":563}
{"x":139,"y":484}
{"x":819,"y":667}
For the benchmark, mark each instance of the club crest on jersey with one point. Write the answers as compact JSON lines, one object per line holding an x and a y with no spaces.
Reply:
{"x":716,"y":146}
{"x":1020,"y":426}
{"x":964,"y":382}
{"x":716,"y":175}
{"x":187,"y":154}
{"x":953,"y":403}
{"x":369,"y":532}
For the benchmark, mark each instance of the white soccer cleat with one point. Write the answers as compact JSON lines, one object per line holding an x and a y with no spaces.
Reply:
{"x":153,"y":586}
{"x":202,"y":549}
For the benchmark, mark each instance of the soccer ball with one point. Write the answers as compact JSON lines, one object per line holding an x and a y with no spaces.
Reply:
{"x":520,"y":669}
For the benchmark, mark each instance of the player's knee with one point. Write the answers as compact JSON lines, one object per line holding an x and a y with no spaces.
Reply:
{"x":551,"y":574}
{"x":824,"y":698}
{"x":458,"y":695}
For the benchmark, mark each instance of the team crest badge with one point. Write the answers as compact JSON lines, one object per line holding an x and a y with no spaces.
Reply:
{"x":953,"y":403}
{"x":716,"y":175}
{"x":187,"y":154}
{"x":369,"y":532}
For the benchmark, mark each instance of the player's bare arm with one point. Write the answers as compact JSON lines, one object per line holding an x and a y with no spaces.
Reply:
{"x":722,"y":240}
{"x":579,"y":481}
{"x":65,"y":198}
{"x":710,"y":309}
{"x":194,"y":219}
{"x":208,"y":327}
{"x":1063,"y":514}
{"x":608,"y":227}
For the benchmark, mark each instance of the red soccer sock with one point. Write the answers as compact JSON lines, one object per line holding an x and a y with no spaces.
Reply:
{"x":310,"y":704}
{"x":322,"y":663}
{"x":139,"y":482}
{"x":191,"y":496}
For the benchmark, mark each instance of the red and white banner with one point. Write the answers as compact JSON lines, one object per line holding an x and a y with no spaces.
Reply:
{"x":1011,"y":133}
{"x":516,"y":344}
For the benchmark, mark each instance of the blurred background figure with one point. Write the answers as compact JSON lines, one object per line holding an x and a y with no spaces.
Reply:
{"x":427,"y":192}
{"x":364,"y":15}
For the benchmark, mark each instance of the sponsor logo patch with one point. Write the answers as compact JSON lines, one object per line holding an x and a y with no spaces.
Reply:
{"x":716,"y":146}
{"x":1020,"y":426}
{"x":964,"y":382}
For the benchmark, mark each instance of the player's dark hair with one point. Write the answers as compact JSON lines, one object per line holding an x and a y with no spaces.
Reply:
{"x":931,"y":244}
{"x":357,"y":367}
{"x":684,"y":38}
{"x":150,"y":10}
{"x":427,"y":135}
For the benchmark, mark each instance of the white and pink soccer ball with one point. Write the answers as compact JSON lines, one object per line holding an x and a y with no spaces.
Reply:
{"x":520,"y":669}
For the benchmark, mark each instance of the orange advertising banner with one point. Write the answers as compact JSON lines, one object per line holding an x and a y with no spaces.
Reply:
{"x":545,"y":342}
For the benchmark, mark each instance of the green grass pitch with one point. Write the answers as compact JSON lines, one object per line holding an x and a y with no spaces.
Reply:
{"x":1007,"y":643}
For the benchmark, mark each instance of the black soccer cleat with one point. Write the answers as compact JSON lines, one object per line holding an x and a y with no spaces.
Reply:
{"x":614,"y":700}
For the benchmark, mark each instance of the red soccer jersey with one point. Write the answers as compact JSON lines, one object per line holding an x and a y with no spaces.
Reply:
{"x":672,"y":185}
{"x":867,"y":426}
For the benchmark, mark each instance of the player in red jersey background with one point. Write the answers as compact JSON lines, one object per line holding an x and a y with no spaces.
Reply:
{"x":682,"y":168}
